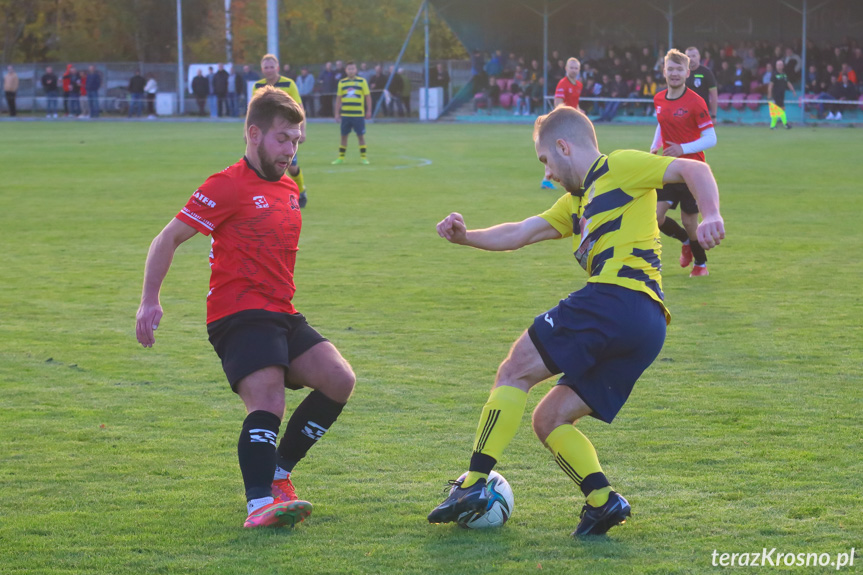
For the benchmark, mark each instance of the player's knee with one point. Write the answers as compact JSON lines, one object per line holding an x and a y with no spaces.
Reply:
{"x":342,"y":383}
{"x":543,"y":423}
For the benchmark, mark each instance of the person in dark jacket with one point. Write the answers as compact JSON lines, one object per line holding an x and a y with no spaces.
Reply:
{"x":136,"y":91}
{"x":200,"y":89}
{"x":220,"y":88}
{"x":74,"y":92}
{"x":439,"y":78}
{"x":49,"y":85}
{"x":94,"y":84}
{"x":328,"y":84}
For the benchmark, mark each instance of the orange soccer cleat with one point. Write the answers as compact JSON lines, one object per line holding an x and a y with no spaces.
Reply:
{"x":698,"y":271}
{"x":279,"y":514}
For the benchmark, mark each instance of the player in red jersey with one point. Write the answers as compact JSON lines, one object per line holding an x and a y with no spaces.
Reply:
{"x":685,"y":130}
{"x":252,"y":211}
{"x":568,"y":92}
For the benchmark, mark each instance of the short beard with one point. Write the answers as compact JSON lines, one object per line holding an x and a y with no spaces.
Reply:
{"x":268,"y":165}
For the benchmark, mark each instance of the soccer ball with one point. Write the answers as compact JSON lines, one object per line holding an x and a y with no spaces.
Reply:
{"x":500,"y":504}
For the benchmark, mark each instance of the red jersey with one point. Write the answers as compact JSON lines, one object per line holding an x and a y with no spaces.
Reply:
{"x":570,"y":93}
{"x":682,"y":120}
{"x":255,"y":225}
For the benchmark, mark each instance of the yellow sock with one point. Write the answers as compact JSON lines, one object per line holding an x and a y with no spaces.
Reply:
{"x":301,"y":182}
{"x":574,"y":453}
{"x":498,"y":424}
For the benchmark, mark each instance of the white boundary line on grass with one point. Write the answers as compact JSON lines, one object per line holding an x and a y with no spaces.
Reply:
{"x":417,"y":163}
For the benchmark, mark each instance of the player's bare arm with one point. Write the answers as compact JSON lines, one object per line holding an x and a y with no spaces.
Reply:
{"x":368,"y":107}
{"x":713,"y":103}
{"x":672,"y":149}
{"x":337,"y":116}
{"x":699,"y":178}
{"x":158,"y":262}
{"x":502,"y":237}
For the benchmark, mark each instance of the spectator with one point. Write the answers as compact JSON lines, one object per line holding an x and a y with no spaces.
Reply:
{"x":406,"y":92}
{"x":94,"y":84}
{"x":742,"y":79}
{"x":82,"y":96}
{"x":537,"y":95}
{"x":67,"y":88}
{"x":150,"y":90}
{"x":511,"y":65}
{"x":792,"y":65}
{"x":340,"y":72}
{"x":249,"y":75}
{"x":857,"y":63}
{"x":849,"y":71}
{"x":614,"y":89}
{"x":494,"y":67}
{"x":648,"y":90}
{"x":767,"y":77}
{"x":236,"y":85}
{"x":440,"y":79}
{"x":74,"y":92}
{"x":201,"y":90}
{"x":813,"y":81}
{"x":212,"y":101}
{"x":843,"y":90}
{"x":377,"y":85}
{"x":49,"y":85}
{"x":725,"y":78}
{"x":397,"y":84}
{"x":477,"y":63}
{"x":535,"y":72}
{"x":365,"y":72}
{"x":707,"y":61}
{"x":220,"y":88}
{"x":327,"y":83}
{"x":490,"y":95}
{"x":288,"y":73}
{"x":306,"y":88}
{"x":136,"y":91}
{"x":520,"y":100}
{"x":10,"y":89}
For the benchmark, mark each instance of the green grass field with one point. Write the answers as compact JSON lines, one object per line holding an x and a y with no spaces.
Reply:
{"x":115,"y":459}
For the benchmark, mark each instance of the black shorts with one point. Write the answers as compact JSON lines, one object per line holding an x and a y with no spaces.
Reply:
{"x":678,"y":194}
{"x":253,"y":339}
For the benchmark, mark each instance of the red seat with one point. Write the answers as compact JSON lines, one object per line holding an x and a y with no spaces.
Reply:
{"x":724,"y":101}
{"x":752,"y":101}
{"x":738,"y":101}
{"x":509,"y":84}
{"x":754,"y":87}
{"x":506,"y":99}
{"x":502,"y":84}
{"x":479,"y":100}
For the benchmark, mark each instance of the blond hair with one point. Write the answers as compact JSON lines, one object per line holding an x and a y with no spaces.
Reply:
{"x":269,"y":57}
{"x":565,"y":123}
{"x":677,"y":57}
{"x":270,"y":103}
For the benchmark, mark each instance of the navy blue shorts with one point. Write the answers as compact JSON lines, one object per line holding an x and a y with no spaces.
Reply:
{"x":357,"y":124}
{"x":601,"y":338}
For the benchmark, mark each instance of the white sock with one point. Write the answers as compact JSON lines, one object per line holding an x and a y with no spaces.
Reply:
{"x":256,"y":504}
{"x":281,"y":473}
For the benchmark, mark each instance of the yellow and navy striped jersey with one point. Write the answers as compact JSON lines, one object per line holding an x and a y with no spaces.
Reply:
{"x":613,"y":221}
{"x":286,"y":84}
{"x":353,"y":92}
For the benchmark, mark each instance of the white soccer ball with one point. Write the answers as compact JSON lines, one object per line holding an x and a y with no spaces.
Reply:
{"x":500,"y":504}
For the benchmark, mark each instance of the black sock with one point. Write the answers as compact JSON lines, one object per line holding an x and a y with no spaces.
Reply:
{"x":312,"y":418}
{"x":342,"y":150}
{"x":363,"y":151}
{"x":256,"y":451}
{"x":674,"y":230}
{"x":698,"y":254}
{"x":481,"y":463}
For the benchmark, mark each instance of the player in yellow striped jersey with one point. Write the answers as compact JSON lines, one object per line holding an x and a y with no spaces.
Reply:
{"x":602,"y":337}
{"x":272,"y":77}
{"x":353,"y":108}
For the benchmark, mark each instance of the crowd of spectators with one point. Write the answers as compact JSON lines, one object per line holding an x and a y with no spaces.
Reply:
{"x":629,"y":72}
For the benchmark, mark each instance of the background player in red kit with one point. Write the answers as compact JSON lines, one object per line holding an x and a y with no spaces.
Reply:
{"x":252,"y":211}
{"x":685,"y":130}
{"x":568,"y":93}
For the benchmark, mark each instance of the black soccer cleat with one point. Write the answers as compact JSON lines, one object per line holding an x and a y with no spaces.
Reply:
{"x":598,"y":520}
{"x":462,"y":504}
{"x":303,"y":199}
